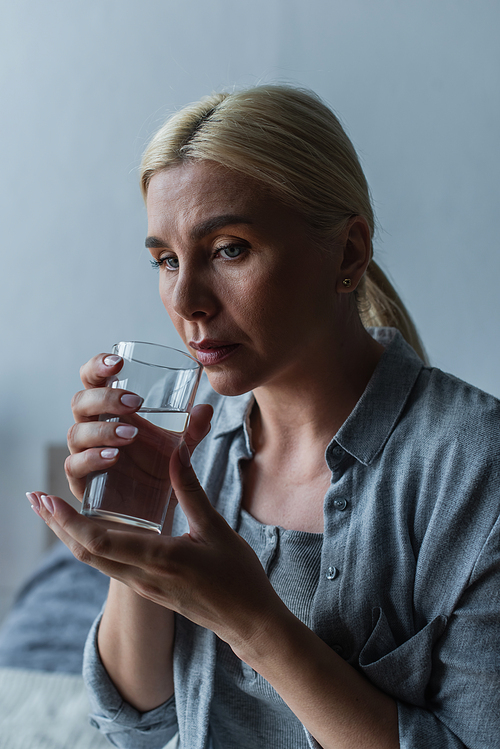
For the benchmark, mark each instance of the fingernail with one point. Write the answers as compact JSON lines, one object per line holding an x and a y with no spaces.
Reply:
{"x":47,"y":503}
{"x":184,"y":456}
{"x":131,"y":401}
{"x":33,"y":500}
{"x":126,"y":432}
{"x":109,"y":452}
{"x":111,"y":360}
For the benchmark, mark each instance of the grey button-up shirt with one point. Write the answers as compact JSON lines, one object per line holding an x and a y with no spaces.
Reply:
{"x":409,"y":584}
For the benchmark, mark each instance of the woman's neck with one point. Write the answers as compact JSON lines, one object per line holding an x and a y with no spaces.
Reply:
{"x":311,"y":404}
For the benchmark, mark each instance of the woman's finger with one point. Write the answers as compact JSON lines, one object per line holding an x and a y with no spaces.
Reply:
{"x":87,"y":405}
{"x":199,"y":425}
{"x":190,"y":495}
{"x":82,"y":544}
{"x":95,"y":544}
{"x":96,"y":371}
{"x":83,"y":435}
{"x":80,"y":465}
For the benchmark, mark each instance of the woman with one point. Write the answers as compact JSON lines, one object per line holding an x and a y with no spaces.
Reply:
{"x":329,"y":584}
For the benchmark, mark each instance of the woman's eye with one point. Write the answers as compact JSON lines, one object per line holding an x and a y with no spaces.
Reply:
{"x":231,"y":252}
{"x":170,"y":262}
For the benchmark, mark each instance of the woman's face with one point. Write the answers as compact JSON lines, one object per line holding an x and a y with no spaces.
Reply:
{"x":248,"y":292}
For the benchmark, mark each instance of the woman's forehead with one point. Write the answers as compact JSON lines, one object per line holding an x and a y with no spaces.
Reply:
{"x":208,"y":195}
{"x":205,"y":177}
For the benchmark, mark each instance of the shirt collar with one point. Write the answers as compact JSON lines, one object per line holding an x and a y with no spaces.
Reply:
{"x":371,"y":422}
{"x":368,"y":427}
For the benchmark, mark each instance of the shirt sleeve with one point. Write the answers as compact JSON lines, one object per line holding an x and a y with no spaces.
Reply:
{"x":123,"y":725}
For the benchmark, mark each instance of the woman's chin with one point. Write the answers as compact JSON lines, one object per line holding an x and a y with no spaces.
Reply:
{"x":228,"y":383}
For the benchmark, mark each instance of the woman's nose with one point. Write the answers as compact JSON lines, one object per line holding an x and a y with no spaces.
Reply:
{"x":193,"y":296}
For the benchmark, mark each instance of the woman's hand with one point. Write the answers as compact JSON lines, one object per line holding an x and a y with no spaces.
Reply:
{"x":210,"y":575}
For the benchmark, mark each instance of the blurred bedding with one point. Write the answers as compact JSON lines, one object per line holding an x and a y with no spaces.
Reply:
{"x":43,"y":704}
{"x":45,"y":710}
{"x":47,"y":627}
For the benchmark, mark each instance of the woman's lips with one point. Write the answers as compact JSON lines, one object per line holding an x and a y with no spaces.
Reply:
{"x":212,"y":352}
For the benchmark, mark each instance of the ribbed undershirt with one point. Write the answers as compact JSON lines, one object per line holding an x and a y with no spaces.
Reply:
{"x":246,"y":711}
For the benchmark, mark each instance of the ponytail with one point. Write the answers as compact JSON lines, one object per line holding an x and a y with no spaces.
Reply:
{"x":380,"y":306}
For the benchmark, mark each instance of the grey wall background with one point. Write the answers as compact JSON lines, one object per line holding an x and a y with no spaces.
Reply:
{"x":83,"y":85}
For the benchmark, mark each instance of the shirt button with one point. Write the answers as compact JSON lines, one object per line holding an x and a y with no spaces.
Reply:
{"x":340,"y":503}
{"x":338,"y":649}
{"x":331,"y":573}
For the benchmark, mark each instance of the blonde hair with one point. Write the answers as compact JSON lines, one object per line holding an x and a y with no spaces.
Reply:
{"x":287,"y":139}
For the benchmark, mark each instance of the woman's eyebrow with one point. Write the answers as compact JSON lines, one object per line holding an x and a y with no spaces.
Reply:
{"x":202,"y":229}
{"x":218,"y":222}
{"x":154,"y":242}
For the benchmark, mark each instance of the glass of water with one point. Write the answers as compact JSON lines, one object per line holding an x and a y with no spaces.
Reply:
{"x":136,"y":490}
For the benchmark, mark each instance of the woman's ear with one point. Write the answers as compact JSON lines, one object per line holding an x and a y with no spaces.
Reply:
{"x":357,"y":253}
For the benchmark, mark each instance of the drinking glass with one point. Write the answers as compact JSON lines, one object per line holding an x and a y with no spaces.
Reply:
{"x":136,"y":490}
